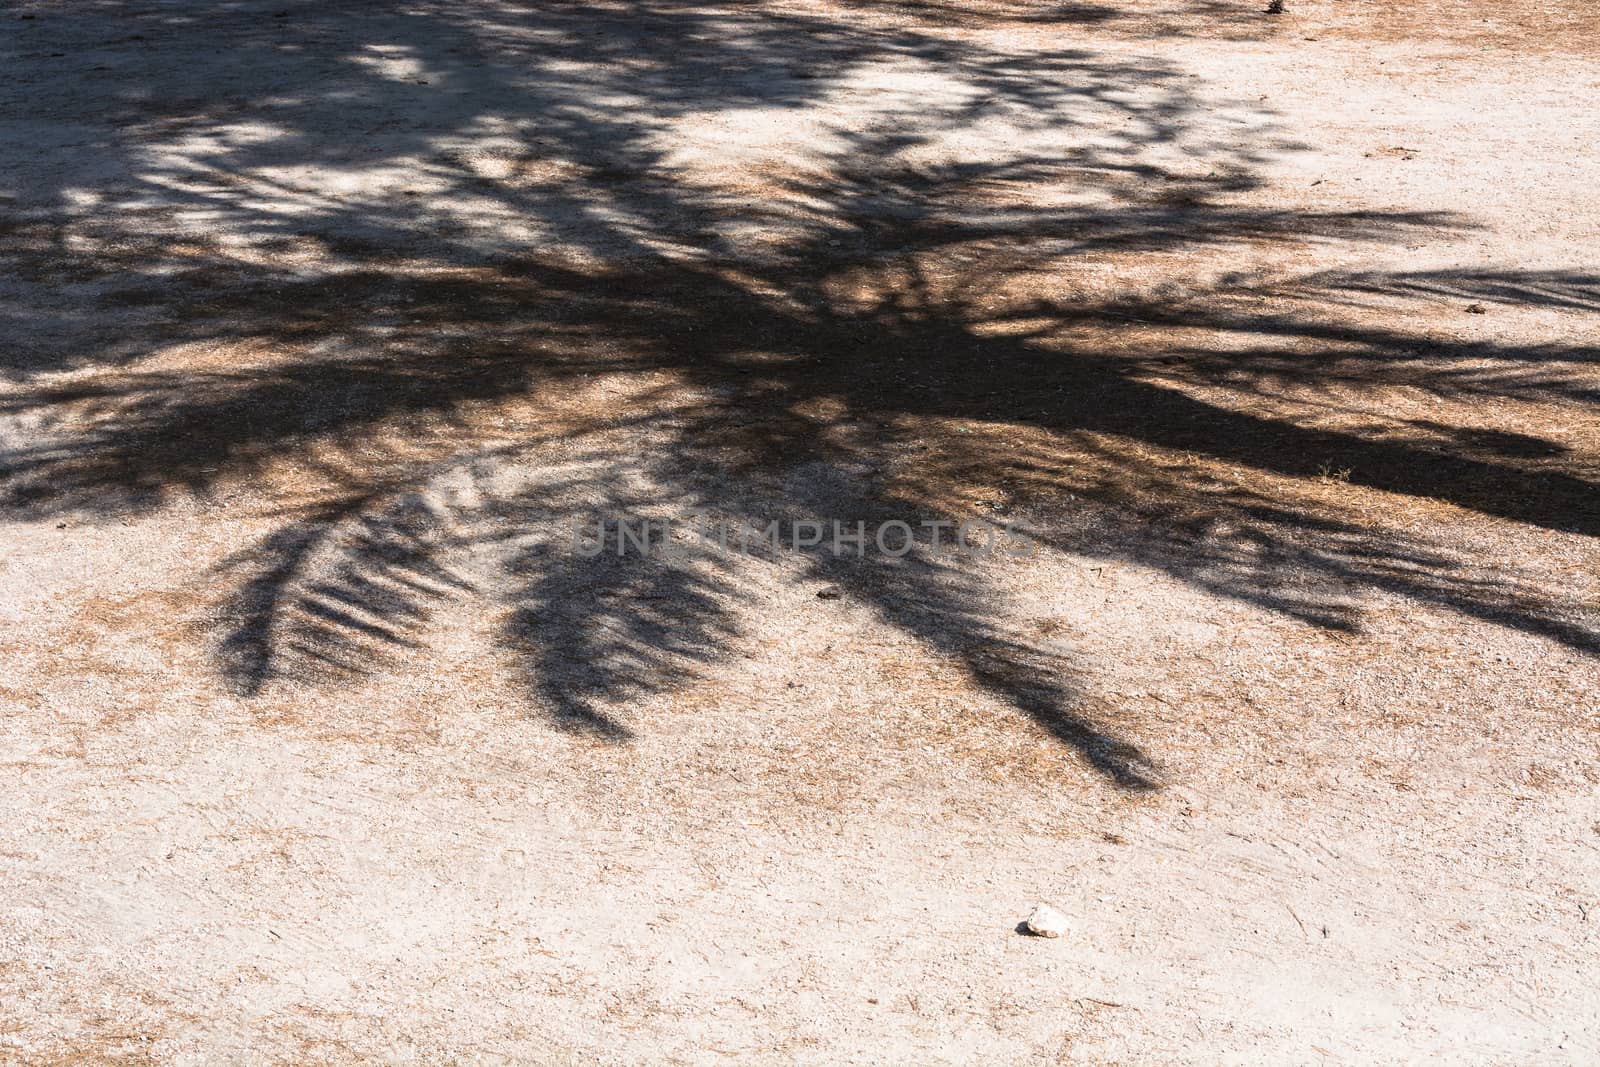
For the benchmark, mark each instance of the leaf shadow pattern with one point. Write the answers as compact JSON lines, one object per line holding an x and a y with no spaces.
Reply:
{"x":426,"y":410}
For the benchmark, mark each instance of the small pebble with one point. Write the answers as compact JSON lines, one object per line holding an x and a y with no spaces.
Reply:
{"x":1046,"y":922}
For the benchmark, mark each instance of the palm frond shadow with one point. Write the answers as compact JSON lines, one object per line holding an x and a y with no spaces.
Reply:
{"x":428,"y":418}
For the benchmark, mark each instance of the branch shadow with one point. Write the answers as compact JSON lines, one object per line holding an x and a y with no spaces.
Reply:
{"x":373,"y":366}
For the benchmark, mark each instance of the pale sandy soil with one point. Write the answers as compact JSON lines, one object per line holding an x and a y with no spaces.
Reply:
{"x":1281,"y":336}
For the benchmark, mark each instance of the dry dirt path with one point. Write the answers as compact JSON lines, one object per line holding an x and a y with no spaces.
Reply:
{"x":322,"y":323}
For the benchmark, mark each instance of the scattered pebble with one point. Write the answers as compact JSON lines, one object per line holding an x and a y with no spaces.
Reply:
{"x":1046,"y":921}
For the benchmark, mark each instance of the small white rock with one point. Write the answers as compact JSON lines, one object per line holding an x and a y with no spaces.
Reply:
{"x":1046,"y":921}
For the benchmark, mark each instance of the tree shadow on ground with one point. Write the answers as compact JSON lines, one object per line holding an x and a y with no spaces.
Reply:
{"x":426,"y":407}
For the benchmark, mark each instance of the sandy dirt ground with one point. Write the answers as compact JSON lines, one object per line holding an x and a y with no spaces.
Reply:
{"x":1277,"y":338}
